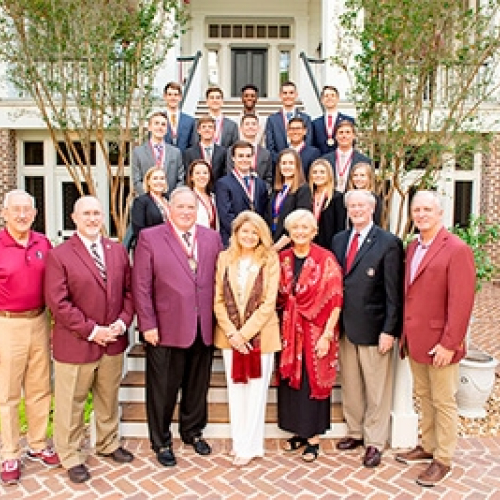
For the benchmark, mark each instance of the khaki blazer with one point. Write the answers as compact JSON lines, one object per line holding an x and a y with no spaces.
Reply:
{"x":264,"y":319}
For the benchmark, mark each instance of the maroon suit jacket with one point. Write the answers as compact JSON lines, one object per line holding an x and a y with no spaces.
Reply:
{"x":167,"y":294}
{"x":438,"y":303}
{"x":79,"y":299}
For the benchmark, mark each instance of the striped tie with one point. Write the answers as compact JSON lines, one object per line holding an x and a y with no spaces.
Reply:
{"x":98,"y":261}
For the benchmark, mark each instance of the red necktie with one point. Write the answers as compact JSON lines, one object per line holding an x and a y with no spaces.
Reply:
{"x":351,"y":254}
{"x":330,"y":121}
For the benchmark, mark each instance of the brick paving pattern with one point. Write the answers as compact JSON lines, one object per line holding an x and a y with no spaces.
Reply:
{"x":280,"y":475}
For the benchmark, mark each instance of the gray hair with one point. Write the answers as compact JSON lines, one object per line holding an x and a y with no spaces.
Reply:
{"x":16,"y":192}
{"x":427,"y":193}
{"x":369,"y":197}
{"x":300,"y":214}
{"x":183,"y":189}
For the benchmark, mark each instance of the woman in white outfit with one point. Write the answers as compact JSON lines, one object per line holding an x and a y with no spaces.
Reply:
{"x":247,"y":329}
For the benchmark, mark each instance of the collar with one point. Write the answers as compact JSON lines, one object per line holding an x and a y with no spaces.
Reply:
{"x":87,"y":242}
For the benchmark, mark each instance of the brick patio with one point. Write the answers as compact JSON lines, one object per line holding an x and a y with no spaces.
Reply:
{"x":280,"y":475}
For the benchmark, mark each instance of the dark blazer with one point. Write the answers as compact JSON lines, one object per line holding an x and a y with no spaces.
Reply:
{"x":145,"y":213}
{"x":167,"y":294}
{"x":231,"y":200}
{"x":357,"y":157}
{"x":79,"y":299}
{"x":438,"y":303}
{"x":264,"y":166}
{"x":186,"y":136}
{"x":372,"y":288}
{"x":341,"y":212}
{"x":218,"y":159}
{"x":320,"y":135}
{"x":300,"y":199}
{"x":143,"y":159}
{"x":330,"y":222}
{"x":276,"y":138}
{"x":230,"y":133}
{"x":307,"y":155}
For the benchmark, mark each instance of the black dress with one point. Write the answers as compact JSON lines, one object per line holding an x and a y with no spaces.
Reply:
{"x":297,"y":412}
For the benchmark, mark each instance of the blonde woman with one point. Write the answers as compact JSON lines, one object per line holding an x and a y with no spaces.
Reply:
{"x":247,"y":329}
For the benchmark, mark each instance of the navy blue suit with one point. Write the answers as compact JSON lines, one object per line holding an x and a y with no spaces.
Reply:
{"x":307,"y":156}
{"x":276,"y":138}
{"x":357,"y":157}
{"x":218,"y":162}
{"x":186,"y":132}
{"x":319,"y":133}
{"x":231,"y":199}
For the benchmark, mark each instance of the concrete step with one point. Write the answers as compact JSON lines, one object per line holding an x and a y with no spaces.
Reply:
{"x":233,"y":107}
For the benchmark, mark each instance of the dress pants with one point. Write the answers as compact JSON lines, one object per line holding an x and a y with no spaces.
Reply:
{"x":24,"y":364}
{"x":72,"y":385}
{"x":168,"y":370}
{"x":247,"y":407}
{"x":437,"y":389}
{"x":366,"y":392}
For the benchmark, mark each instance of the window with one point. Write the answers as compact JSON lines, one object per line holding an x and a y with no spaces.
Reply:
{"x":462,"y":203}
{"x":126,"y":192}
{"x":79,"y":151}
{"x":284,"y":66}
{"x":113,"y":153}
{"x":70,"y":195}
{"x":33,"y":153}
{"x":35,"y":187}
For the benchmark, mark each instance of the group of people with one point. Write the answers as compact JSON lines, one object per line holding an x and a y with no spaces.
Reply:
{"x":296,"y":272}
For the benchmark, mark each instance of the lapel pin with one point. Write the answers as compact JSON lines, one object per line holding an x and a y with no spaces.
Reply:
{"x":370,"y":272}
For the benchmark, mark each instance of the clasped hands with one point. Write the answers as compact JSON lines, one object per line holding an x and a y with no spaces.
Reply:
{"x":108,"y":334}
{"x":239,"y":343}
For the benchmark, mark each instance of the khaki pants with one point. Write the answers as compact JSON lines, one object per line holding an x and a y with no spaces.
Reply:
{"x":437,"y":388}
{"x":366,"y":392}
{"x":24,"y":365}
{"x":72,"y":385}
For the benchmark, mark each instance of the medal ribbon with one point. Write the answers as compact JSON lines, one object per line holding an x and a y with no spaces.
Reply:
{"x":189,"y":251}
{"x":209,"y":207}
{"x":319,"y":201}
{"x":250,"y":191}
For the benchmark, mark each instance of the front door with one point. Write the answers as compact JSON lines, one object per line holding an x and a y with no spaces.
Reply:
{"x":248,"y":66}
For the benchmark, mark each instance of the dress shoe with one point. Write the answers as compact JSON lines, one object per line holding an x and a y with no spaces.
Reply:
{"x":78,"y":474}
{"x":120,"y":455}
{"x":241,"y":461}
{"x":166,"y":457}
{"x":349,"y":443}
{"x":434,"y":474}
{"x":372,"y":457}
{"x":201,"y":446}
{"x":416,"y":456}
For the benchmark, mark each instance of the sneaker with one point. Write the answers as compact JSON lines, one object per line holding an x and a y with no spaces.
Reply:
{"x":11,"y":471}
{"x":434,"y":474}
{"x":47,"y":456}
{"x":416,"y":456}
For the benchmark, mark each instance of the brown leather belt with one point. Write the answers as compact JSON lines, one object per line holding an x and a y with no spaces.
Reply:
{"x":32,"y":313}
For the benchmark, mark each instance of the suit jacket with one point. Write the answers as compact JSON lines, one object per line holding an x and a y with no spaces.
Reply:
{"x":186,"y":136}
{"x":320,"y":134}
{"x":373,"y":287}
{"x":438,"y":303}
{"x":232,"y":199}
{"x":143,"y":159}
{"x":145,"y":213}
{"x":80,"y":299}
{"x":300,"y":199}
{"x":230,"y":133}
{"x":264,"y":319}
{"x":357,"y":157}
{"x":276,"y":138}
{"x":218,"y":161}
{"x":168,"y":295}
{"x":263,"y":165}
{"x":307,"y":155}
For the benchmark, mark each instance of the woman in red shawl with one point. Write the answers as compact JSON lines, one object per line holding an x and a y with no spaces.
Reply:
{"x":309,"y":299}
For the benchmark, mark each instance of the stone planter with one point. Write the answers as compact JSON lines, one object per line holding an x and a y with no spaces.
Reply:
{"x":476,"y":380}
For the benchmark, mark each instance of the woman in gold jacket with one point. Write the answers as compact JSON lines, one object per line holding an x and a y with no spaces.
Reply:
{"x":247,"y":329}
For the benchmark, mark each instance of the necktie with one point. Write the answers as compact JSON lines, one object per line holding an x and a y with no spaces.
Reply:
{"x":246,"y":178}
{"x":330,"y":121}
{"x":187,"y":238}
{"x":351,"y":254}
{"x":158,"y":151}
{"x":98,"y":261}
{"x":173,"y":120}
{"x":208,"y":151}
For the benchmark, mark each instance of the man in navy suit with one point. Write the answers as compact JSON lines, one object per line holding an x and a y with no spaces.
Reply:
{"x":276,"y":138}
{"x":207,"y":149}
{"x":181,"y":130}
{"x":324,"y":127}
{"x":239,"y":190}
{"x":345,"y":156}
{"x":296,"y":132}
{"x":226,"y":131}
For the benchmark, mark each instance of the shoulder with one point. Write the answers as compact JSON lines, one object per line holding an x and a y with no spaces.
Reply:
{"x":360,"y":157}
{"x":40,"y":240}
{"x":330,"y":157}
{"x":319,"y":121}
{"x":172,"y":150}
{"x":141,"y":147}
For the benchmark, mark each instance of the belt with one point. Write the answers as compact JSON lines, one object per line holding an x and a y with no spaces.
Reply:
{"x":32,"y":313}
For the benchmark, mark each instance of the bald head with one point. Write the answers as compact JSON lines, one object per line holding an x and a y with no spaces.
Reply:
{"x":88,"y":217}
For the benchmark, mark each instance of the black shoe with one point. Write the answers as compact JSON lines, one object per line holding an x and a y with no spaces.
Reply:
{"x":78,"y":474}
{"x":201,"y":446}
{"x":166,"y":457}
{"x":120,"y":455}
{"x":372,"y":457}
{"x":349,"y":443}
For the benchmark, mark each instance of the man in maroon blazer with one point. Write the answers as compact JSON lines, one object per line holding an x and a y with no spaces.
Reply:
{"x":439,"y":295}
{"x":87,"y":288}
{"x":173,"y":288}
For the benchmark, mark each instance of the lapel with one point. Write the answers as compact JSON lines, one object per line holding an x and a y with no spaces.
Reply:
{"x":436,"y":246}
{"x":84,"y":256}
{"x":150,"y":159}
{"x":239,"y":187}
{"x":109,"y":262}
{"x":367,"y":244}
{"x":177,"y":249}
{"x":233,"y":281}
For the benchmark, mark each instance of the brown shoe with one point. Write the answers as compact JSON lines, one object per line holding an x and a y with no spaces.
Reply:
{"x":349,"y":443}
{"x":372,"y":457}
{"x":120,"y":455}
{"x":416,"y":456}
{"x":434,"y":474}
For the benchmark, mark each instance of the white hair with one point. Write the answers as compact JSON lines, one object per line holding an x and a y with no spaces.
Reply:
{"x":300,"y":214}
{"x":183,"y":189}
{"x":15,"y":192}
{"x":427,"y":193}
{"x":363,"y":192}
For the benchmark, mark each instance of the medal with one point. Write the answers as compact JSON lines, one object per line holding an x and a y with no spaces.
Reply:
{"x":192,"y":264}
{"x":330,"y":141}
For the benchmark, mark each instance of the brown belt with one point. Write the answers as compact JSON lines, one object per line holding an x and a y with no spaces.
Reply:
{"x":32,"y":313}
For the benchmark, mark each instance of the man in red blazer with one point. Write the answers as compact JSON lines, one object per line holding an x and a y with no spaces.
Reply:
{"x":87,"y":288}
{"x":439,"y":295}
{"x":173,"y":287}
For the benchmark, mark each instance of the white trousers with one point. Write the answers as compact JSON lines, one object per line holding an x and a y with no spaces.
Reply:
{"x":247,"y":407}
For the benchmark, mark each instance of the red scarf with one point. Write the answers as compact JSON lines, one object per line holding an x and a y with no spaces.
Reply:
{"x":307,"y":306}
